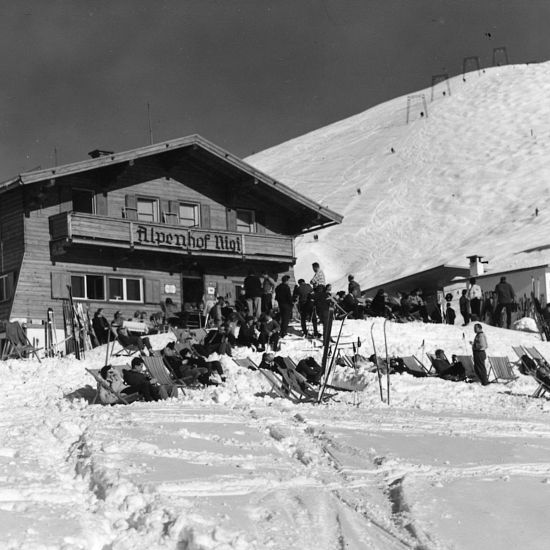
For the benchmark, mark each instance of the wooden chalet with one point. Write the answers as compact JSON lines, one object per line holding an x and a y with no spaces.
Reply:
{"x":183,"y":219}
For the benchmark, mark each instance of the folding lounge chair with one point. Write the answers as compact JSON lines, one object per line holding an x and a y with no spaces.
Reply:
{"x":468,"y":364}
{"x":277,"y":385}
{"x":17,"y":344}
{"x":502,"y":369}
{"x":297,"y":384}
{"x":123,"y":399}
{"x":415,"y":366}
{"x":124,"y":351}
{"x":159,"y":371}
{"x":247,"y":363}
{"x":542,"y":365}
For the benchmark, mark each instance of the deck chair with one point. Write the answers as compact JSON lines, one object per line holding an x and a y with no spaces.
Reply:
{"x":124,"y":351}
{"x":468,"y":364}
{"x":415,"y":366}
{"x":247,"y":363}
{"x":501,"y":368}
{"x":158,"y":370}
{"x":17,"y":344}
{"x":297,"y":384}
{"x":122,"y":399}
{"x":542,"y":365}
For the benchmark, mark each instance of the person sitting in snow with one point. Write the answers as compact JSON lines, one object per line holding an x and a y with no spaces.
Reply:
{"x":269,"y":332}
{"x":247,"y":333}
{"x":181,"y":370}
{"x":142,"y":383}
{"x":216,"y":341}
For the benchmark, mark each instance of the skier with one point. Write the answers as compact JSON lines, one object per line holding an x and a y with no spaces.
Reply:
{"x":505,"y":298}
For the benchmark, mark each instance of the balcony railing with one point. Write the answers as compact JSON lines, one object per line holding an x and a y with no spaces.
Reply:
{"x":81,"y":228}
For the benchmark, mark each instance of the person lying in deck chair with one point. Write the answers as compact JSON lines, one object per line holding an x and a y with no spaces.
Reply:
{"x":181,"y":368}
{"x":126,"y":339}
{"x":207,"y":368}
{"x":142,"y":383}
{"x":116,"y":383}
{"x":446,"y":370}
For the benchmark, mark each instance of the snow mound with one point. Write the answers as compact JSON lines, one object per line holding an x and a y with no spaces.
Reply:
{"x":464,"y":177}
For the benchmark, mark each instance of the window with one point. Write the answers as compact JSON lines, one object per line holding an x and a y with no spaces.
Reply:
{"x":83,"y":201}
{"x":88,"y":287}
{"x":147,"y":210}
{"x":189,"y":214}
{"x":245,"y":220}
{"x":125,"y":289}
{"x":3,"y":288}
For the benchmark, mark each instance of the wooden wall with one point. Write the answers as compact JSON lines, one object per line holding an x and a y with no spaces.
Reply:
{"x":38,"y":268}
{"x":11,"y":243}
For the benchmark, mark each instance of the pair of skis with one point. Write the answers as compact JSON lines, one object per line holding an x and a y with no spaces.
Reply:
{"x":378,"y":371}
{"x":327,"y":343}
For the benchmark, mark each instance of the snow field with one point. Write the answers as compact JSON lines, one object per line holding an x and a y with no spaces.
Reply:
{"x":447,"y":465}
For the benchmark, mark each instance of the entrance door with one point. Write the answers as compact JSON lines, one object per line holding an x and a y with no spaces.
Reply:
{"x":192,"y":289}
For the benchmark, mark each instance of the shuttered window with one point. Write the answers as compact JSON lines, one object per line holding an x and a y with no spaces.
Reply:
{"x":189,"y":214}
{"x":245,"y":220}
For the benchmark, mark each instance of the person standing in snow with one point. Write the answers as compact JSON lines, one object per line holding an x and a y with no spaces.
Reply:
{"x":353,"y":287}
{"x":450,"y":315}
{"x":254,"y":291}
{"x":479,"y":345}
{"x":464,"y":307}
{"x":268,"y":284}
{"x":318,"y":277}
{"x":475,"y":295}
{"x":505,"y":296}
{"x":283,"y":296}
{"x":303,"y":295}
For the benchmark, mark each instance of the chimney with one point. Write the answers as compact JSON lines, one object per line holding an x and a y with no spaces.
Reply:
{"x":96,"y":153}
{"x":476,"y":265}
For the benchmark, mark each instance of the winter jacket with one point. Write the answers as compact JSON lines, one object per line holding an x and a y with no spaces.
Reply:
{"x":253,"y":286}
{"x":283,"y":294}
{"x":505,"y":293}
{"x":302,"y":293}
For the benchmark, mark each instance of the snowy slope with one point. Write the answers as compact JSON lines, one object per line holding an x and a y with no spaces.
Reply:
{"x":464,"y":180}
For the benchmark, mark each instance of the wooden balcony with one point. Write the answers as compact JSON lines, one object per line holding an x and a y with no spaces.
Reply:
{"x":74,"y":228}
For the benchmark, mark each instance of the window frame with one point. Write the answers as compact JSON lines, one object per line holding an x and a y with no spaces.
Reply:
{"x":252,"y":225}
{"x":156,"y":208}
{"x":197,"y":208}
{"x":124,"y":298}
{"x":87,"y":190}
{"x":85,"y":286}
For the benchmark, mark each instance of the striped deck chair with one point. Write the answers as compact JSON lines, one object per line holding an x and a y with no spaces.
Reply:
{"x":415,"y":366}
{"x":158,"y":370}
{"x":502,"y":369}
{"x":122,"y":399}
{"x":468,"y":364}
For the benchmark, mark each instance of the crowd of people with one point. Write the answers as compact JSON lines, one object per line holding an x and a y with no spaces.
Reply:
{"x":260,"y":317}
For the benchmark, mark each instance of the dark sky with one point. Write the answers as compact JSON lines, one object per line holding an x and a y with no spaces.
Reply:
{"x":246,"y":74}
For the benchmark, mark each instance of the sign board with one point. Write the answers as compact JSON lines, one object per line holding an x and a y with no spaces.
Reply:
{"x":191,"y":240}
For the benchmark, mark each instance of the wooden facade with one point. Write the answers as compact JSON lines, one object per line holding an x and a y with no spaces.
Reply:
{"x":129,"y":230}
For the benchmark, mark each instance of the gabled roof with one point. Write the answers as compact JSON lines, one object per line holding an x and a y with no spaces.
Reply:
{"x":325,"y":216}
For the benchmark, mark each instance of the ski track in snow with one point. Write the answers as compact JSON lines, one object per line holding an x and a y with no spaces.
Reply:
{"x":232,"y":467}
